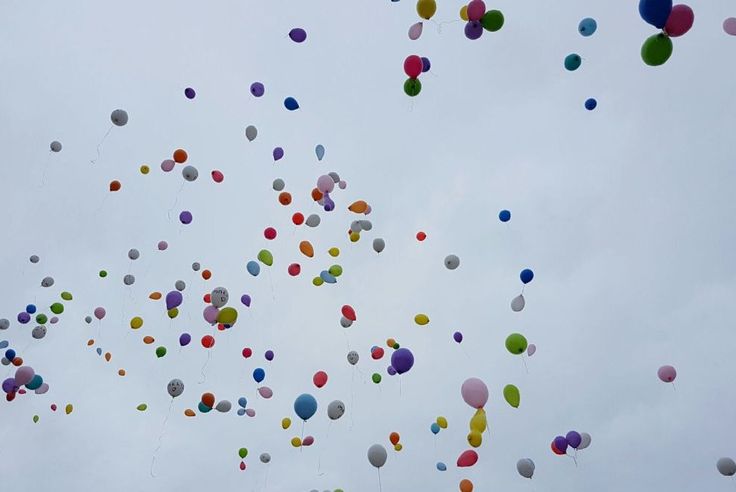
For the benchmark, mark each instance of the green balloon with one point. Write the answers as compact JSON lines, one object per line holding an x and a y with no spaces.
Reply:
{"x":103,"y":274}
{"x":173,"y":313}
{"x":412,"y":87}
{"x":656,"y":50}
{"x":395,"y":346}
{"x":67,"y":296}
{"x":511,"y":395}
{"x":160,"y":352}
{"x":265,"y":257}
{"x":492,"y":20}
{"x":376,"y":378}
{"x":41,"y":319}
{"x":227,"y":316}
{"x":335,"y":270}
{"x":516,"y":343}
{"x":142,"y":407}
{"x":35,"y":419}
{"x":243,"y":452}
{"x":57,"y":308}
{"x":317,"y":281}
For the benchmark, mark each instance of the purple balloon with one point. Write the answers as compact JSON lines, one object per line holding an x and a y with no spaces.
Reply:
{"x":186,"y":217}
{"x":473,"y":29}
{"x":24,"y":318}
{"x":561,"y":444}
{"x":184,"y":339}
{"x":278,"y":153}
{"x":458,"y":337}
{"x":269,"y":354}
{"x":257,"y":89}
{"x":189,"y":92}
{"x":402,"y":360}
{"x":573,"y":439}
{"x":298,"y":35}
{"x":245,"y":299}
{"x":329,"y":204}
{"x":391,"y":371}
{"x":426,"y":65}
{"x":173,"y":299}
{"x":9,"y":385}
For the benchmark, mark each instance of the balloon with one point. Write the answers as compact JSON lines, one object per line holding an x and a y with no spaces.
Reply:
{"x":251,"y":132}
{"x":377,"y":454}
{"x":572,"y":62}
{"x":319,"y":379}
{"x":253,"y":268}
{"x":452,"y":262}
{"x":298,"y":35}
{"x":584,"y":440}
{"x":306,"y":248}
{"x":467,"y":458}
{"x":476,"y":9}
{"x":291,"y":104}
{"x":217,"y":176}
{"x":667,"y":374}
{"x":726,"y":467}
{"x":656,"y":50}
{"x":38,"y":332}
{"x":586,"y":28}
{"x":474,"y":392}
{"x":376,"y":378}
{"x":442,"y":422}
{"x":173,"y":299}
{"x":10,"y":386}
{"x":160,"y":352}
{"x":269,"y":355}
{"x":265,"y":392}
{"x":296,"y":442}
{"x":402,"y":360}
{"x":655,"y":12}
{"x":466,"y":485}
{"x":348,"y":312}
{"x":243,"y":452}
{"x":99,"y":313}
{"x":415,"y":31}
{"x":278,"y":153}
{"x":518,"y":303}
{"x":259,"y":375}
{"x":129,"y":280}
{"x":457,"y":336}
{"x":190,"y":173}
{"x":210,"y":314}
{"x":379,"y":245}
{"x":319,"y":150}
{"x":590,"y":104}
{"x":353,"y":357}
{"x":560,"y":444}
{"x":185,"y":217}
{"x":265,"y":458}
{"x":413,"y":66}
{"x":250,"y":412}
{"x":189,"y":93}
{"x":285,"y":423}
{"x":175,"y":387}
{"x":412,"y":87}
{"x":325,"y":184}
{"x":47,"y":282}
{"x":219,"y":297}
{"x":257,"y":89}
{"x":531,"y":349}
{"x":208,"y":341}
{"x":421,"y":319}
{"x":516,"y":343}
{"x":394,"y":438}
{"x":475,"y":438}
{"x":167,"y":165}
{"x":24,"y":375}
{"x":574,"y":439}
{"x":305,"y":406}
{"x":119,"y":117}
{"x":313,"y":220}
{"x":434,"y":428}
{"x":335,"y":409}
{"x":69,"y":408}
{"x":729,"y":26}
{"x":223,"y":406}
{"x":464,"y":13}
{"x":511,"y":395}
{"x":478,"y":422}
{"x":202,"y":407}
{"x":24,"y":318}
{"x":473,"y":30}
{"x":525,"y":467}
{"x":55,"y":146}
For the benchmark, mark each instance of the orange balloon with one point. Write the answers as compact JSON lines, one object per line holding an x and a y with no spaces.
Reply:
{"x":189,"y":412}
{"x":206,"y":274}
{"x":306,"y":248}
{"x":180,"y":155}
{"x":121,"y":372}
{"x":155,"y":296}
{"x":209,"y":400}
{"x":108,"y":356}
{"x":358,"y":207}
{"x":90,"y":342}
{"x":115,"y":185}
{"x":284,"y":198}
{"x":394,"y":438}
{"x":390,"y":343}
{"x":18,"y":362}
{"x":466,"y":485}
{"x":148,"y":340}
{"x":316,"y":195}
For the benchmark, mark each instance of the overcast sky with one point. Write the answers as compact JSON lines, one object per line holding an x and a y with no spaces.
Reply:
{"x":624,"y":213}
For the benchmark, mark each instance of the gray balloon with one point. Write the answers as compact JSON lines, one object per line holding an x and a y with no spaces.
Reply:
{"x":38,"y":332}
{"x":335,"y":409}
{"x":278,"y":184}
{"x":377,"y":455}
{"x":223,"y":406}
{"x":313,"y":220}
{"x":584,"y":437}
{"x":4,"y":324}
{"x":335,"y":177}
{"x":726,"y":466}
{"x":47,"y":282}
{"x":518,"y":303}
{"x":34,"y":259}
{"x":452,"y":262}
{"x":134,"y":254}
{"x":196,"y":266}
{"x":265,"y":458}
{"x":219,"y":297}
{"x":55,"y":146}
{"x":180,"y":285}
{"x":379,"y":245}
{"x":353,"y":357}
{"x":5,"y":361}
{"x":367,"y":225}
{"x":525,"y":467}
{"x":88,"y":319}
{"x":129,"y":279}
{"x":119,"y":117}
{"x":356,"y":226}
{"x":190,"y":173}
{"x":251,"y":132}
{"x":345,"y":323}
{"x":175,"y":387}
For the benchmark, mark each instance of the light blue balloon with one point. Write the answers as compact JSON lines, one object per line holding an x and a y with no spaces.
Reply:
{"x":253,"y":268}
{"x":320,"y":151}
{"x":259,"y":375}
{"x":242,"y":402}
{"x":241,"y":411}
{"x":3,"y":344}
{"x":305,"y":406}
{"x":441,"y":466}
{"x":587,"y":27}
{"x":327,"y":277}
{"x":435,"y":428}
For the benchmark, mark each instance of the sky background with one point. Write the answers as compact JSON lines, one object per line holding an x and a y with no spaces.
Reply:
{"x":625,"y":215}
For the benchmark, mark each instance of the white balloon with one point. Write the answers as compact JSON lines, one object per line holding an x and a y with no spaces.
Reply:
{"x":452,"y":262}
{"x":353,"y":357}
{"x":47,"y":282}
{"x":335,"y":409}
{"x":726,"y":466}
{"x":55,"y":146}
{"x":518,"y":303}
{"x":219,"y":297}
{"x":175,"y":387}
{"x":379,"y":245}
{"x":525,"y":467}
{"x":584,"y":440}
{"x":4,"y":324}
{"x":278,"y":184}
{"x":342,"y":185}
{"x":190,"y":173}
{"x":265,"y":458}
{"x":223,"y":406}
{"x":38,"y":332}
{"x":377,"y":455}
{"x":313,"y":220}
{"x":119,"y":117}
{"x":129,"y":279}
{"x":345,"y":323}
{"x":134,"y":254}
{"x":34,"y":259}
{"x":180,"y":285}
{"x":251,"y":132}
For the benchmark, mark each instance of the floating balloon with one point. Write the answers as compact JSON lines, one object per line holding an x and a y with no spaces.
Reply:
{"x":251,"y":132}
{"x":421,"y":319}
{"x":353,"y":357}
{"x":474,"y":392}
{"x":413,"y":65}
{"x":572,"y":62}
{"x":298,"y":35}
{"x":377,"y":454}
{"x":531,"y":349}
{"x":173,"y":299}
{"x":729,"y":26}
{"x":55,"y":146}
{"x":259,"y":375}
{"x":452,"y":262}
{"x":119,"y":117}
{"x":402,"y":360}
{"x":257,"y":89}
{"x":655,"y":12}
{"x":415,"y":31}
{"x":278,"y":153}
{"x":473,"y":30}
{"x":185,"y":217}
{"x":667,"y":374}
{"x":586,"y":28}
{"x":175,"y":388}
{"x":335,"y":409}
{"x":525,"y":467}
{"x":305,"y":406}
{"x":467,"y":458}
{"x":656,"y":50}
{"x":441,"y":466}
{"x":584,"y":440}
{"x":457,"y":336}
{"x":319,"y":379}
{"x":591,"y":104}
{"x":726,"y":467}
{"x":574,"y":439}
{"x":518,"y":303}
{"x":560,"y":444}
{"x":378,"y":245}
{"x":511,"y":395}
{"x":516,"y":343}
{"x":412,"y":87}
{"x":291,"y":104}
{"x":466,"y":485}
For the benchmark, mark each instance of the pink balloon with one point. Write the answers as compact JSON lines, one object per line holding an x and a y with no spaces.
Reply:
{"x":467,"y":458}
{"x":163,"y":245}
{"x":217,"y":176}
{"x":531,"y":349}
{"x":413,"y":66}
{"x":325,"y":184}
{"x":729,"y":26}
{"x":475,"y":392}
{"x":42,"y":389}
{"x":476,"y":10}
{"x":680,"y":20}
{"x":250,"y":412}
{"x":167,"y":165}
{"x":415,"y":31}
{"x":100,"y":313}
{"x":265,"y":392}
{"x":342,"y":184}
{"x":667,"y":374}
{"x":308,"y":441}
{"x":210,"y":314}
{"x":23,"y":375}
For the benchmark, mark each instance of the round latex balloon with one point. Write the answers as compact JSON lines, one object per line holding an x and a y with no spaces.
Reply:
{"x":413,"y":66}
{"x":466,"y":485}
{"x":656,"y":50}
{"x":55,"y":146}
{"x":574,"y":439}
{"x":415,"y":31}
{"x":119,"y":117}
{"x":516,"y":343}
{"x":402,"y":360}
{"x":298,"y":35}
{"x":265,"y":458}
{"x":560,"y":444}
{"x":189,"y":93}
{"x":518,"y":303}
{"x":476,"y":9}
{"x":511,"y":395}
{"x":474,"y":392}
{"x":729,"y":26}
{"x":377,"y":454}
{"x":726,"y":467}
{"x":441,"y":466}
{"x":531,"y":349}
{"x":526,"y":276}
{"x":572,"y":62}
{"x":667,"y":374}
{"x":175,"y":387}
{"x":525,"y":467}
{"x":590,"y":104}
{"x":379,"y":245}
{"x":335,"y":409}
{"x":586,"y":28}
{"x":412,"y":86}
{"x":319,"y":379}
{"x":492,"y":20}
{"x":353,"y":357}
{"x":473,"y":30}
{"x":251,"y":132}
{"x":655,"y":12}
{"x":291,"y":104}
{"x":585,"y":440}
{"x":452,"y":262}
{"x":457,"y":336}
{"x":186,"y":217}
{"x":467,"y":458}
{"x":257,"y":89}
{"x":305,"y":406}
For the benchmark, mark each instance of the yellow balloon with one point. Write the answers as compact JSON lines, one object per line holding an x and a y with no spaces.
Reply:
{"x":173,"y":313}
{"x":442,"y":422}
{"x":296,"y":442}
{"x":317,"y":281}
{"x":475,"y":438}
{"x":479,"y":422}
{"x":69,"y":408}
{"x":145,"y":169}
{"x":464,"y":13}
{"x":285,"y":423}
{"x":398,"y":446}
{"x":426,"y":8}
{"x":354,"y":237}
{"x":421,"y":319}
{"x":136,"y":322}
{"x":227,"y":316}
{"x":334,"y":252}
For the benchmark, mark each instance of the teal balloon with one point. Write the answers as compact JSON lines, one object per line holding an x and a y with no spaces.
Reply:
{"x":573,"y":61}
{"x":203,"y":408}
{"x":435,"y":428}
{"x":35,"y":383}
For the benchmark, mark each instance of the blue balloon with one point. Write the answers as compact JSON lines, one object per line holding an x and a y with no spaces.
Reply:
{"x":3,"y":344}
{"x":327,"y":277}
{"x":99,"y":351}
{"x":305,"y":406}
{"x":504,"y":216}
{"x":291,"y":104}
{"x":259,"y":374}
{"x":590,"y":104}
{"x":320,"y":151}
{"x":441,"y":466}
{"x":655,"y":12}
{"x":435,"y":428}
{"x":30,"y":309}
{"x":241,"y":411}
{"x":573,"y":61}
{"x":203,"y":408}
{"x":35,"y":382}
{"x":10,"y":354}
{"x":242,"y":402}
{"x":426,"y":65}
{"x":526,"y":275}
{"x":253,"y":268}
{"x":184,"y":339}
{"x":587,"y":27}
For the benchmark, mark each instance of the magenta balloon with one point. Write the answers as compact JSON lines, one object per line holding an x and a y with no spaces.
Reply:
{"x":23,"y":375}
{"x":415,"y":31}
{"x":475,"y":392}
{"x":308,"y":441}
{"x":265,"y":392}
{"x":325,"y":184}
{"x":667,"y":374}
{"x":100,"y":313}
{"x":163,"y":245}
{"x":473,"y":30}
{"x":729,"y":26}
{"x":680,"y":20}
{"x":476,"y":9}
{"x":210,"y":314}
{"x":167,"y":165}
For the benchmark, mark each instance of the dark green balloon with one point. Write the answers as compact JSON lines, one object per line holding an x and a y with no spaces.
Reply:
{"x":376,"y":378}
{"x":656,"y":50}
{"x":412,"y":87}
{"x":516,"y":343}
{"x":492,"y":20}
{"x":395,"y":346}
{"x":160,"y":351}
{"x":41,"y":319}
{"x":57,"y":308}
{"x":103,"y":274}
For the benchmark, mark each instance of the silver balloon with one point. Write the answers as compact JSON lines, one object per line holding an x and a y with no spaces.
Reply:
{"x":134,"y":254}
{"x":223,"y":406}
{"x":180,"y":285}
{"x":356,"y":226}
{"x":4,"y":324}
{"x":335,"y":177}
{"x":129,"y":279}
{"x":525,"y":467}
{"x":88,"y":319}
{"x":251,"y":132}
{"x":196,"y":266}
{"x":377,"y":455}
{"x":367,"y":225}
{"x":55,"y":146}
{"x":313,"y":220}
{"x":219,"y":297}
{"x":335,"y":409}
{"x":47,"y":282}
{"x":518,"y":303}
{"x":379,"y":245}
{"x":345,"y":323}
{"x":38,"y":332}
{"x":34,"y":259}
{"x":119,"y":117}
{"x":353,"y":357}
{"x":726,"y":467}
{"x":42,"y":389}
{"x":265,"y":458}
{"x":278,"y":184}
{"x":190,"y":173}
{"x":452,"y":262}
{"x":584,"y":438}
{"x":175,"y":387}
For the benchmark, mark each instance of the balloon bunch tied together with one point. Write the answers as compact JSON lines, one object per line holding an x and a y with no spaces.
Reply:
{"x":573,"y":439}
{"x":674,"y":21}
{"x":414,"y":66}
{"x":479,"y":19}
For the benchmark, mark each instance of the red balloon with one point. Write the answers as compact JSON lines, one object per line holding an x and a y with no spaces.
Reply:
{"x":319,"y":379}
{"x":208,"y":298}
{"x":413,"y":66}
{"x":476,"y":9}
{"x":555,"y":450}
{"x":22,"y":391}
{"x":221,"y":327}
{"x":53,"y":407}
{"x":297,"y":218}
{"x":242,"y":465}
{"x":208,"y":341}
{"x":269,"y":233}
{"x":217,"y":176}
{"x":377,"y":353}
{"x":247,"y":352}
{"x":467,"y":458}
{"x":348,"y":312}
{"x":421,"y":236}
{"x":208,"y":399}
{"x":10,"y":396}
{"x":294,"y":269}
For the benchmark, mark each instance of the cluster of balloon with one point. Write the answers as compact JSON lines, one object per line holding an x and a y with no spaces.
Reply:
{"x":586,"y":28}
{"x":479,"y":19}
{"x":573,"y":439}
{"x":475,"y":393}
{"x":321,"y":193}
{"x":242,"y":453}
{"x":243,"y":403}
{"x":394,"y":440}
{"x":414,"y":66}
{"x":217,"y":311}
{"x":348,"y":316}
{"x":25,"y":378}
{"x":305,"y":406}
{"x":439,"y":424}
{"x":674,"y":21}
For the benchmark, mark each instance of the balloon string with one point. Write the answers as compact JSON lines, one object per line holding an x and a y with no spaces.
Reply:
{"x":94,"y":161}
{"x":265,"y":483}
{"x":176,"y":200}
{"x":524,"y":361}
{"x":380,"y":487}
{"x":352,"y":398}
{"x":160,"y":437}
{"x":673,"y":386}
{"x":45,"y":168}
{"x":204,"y":376}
